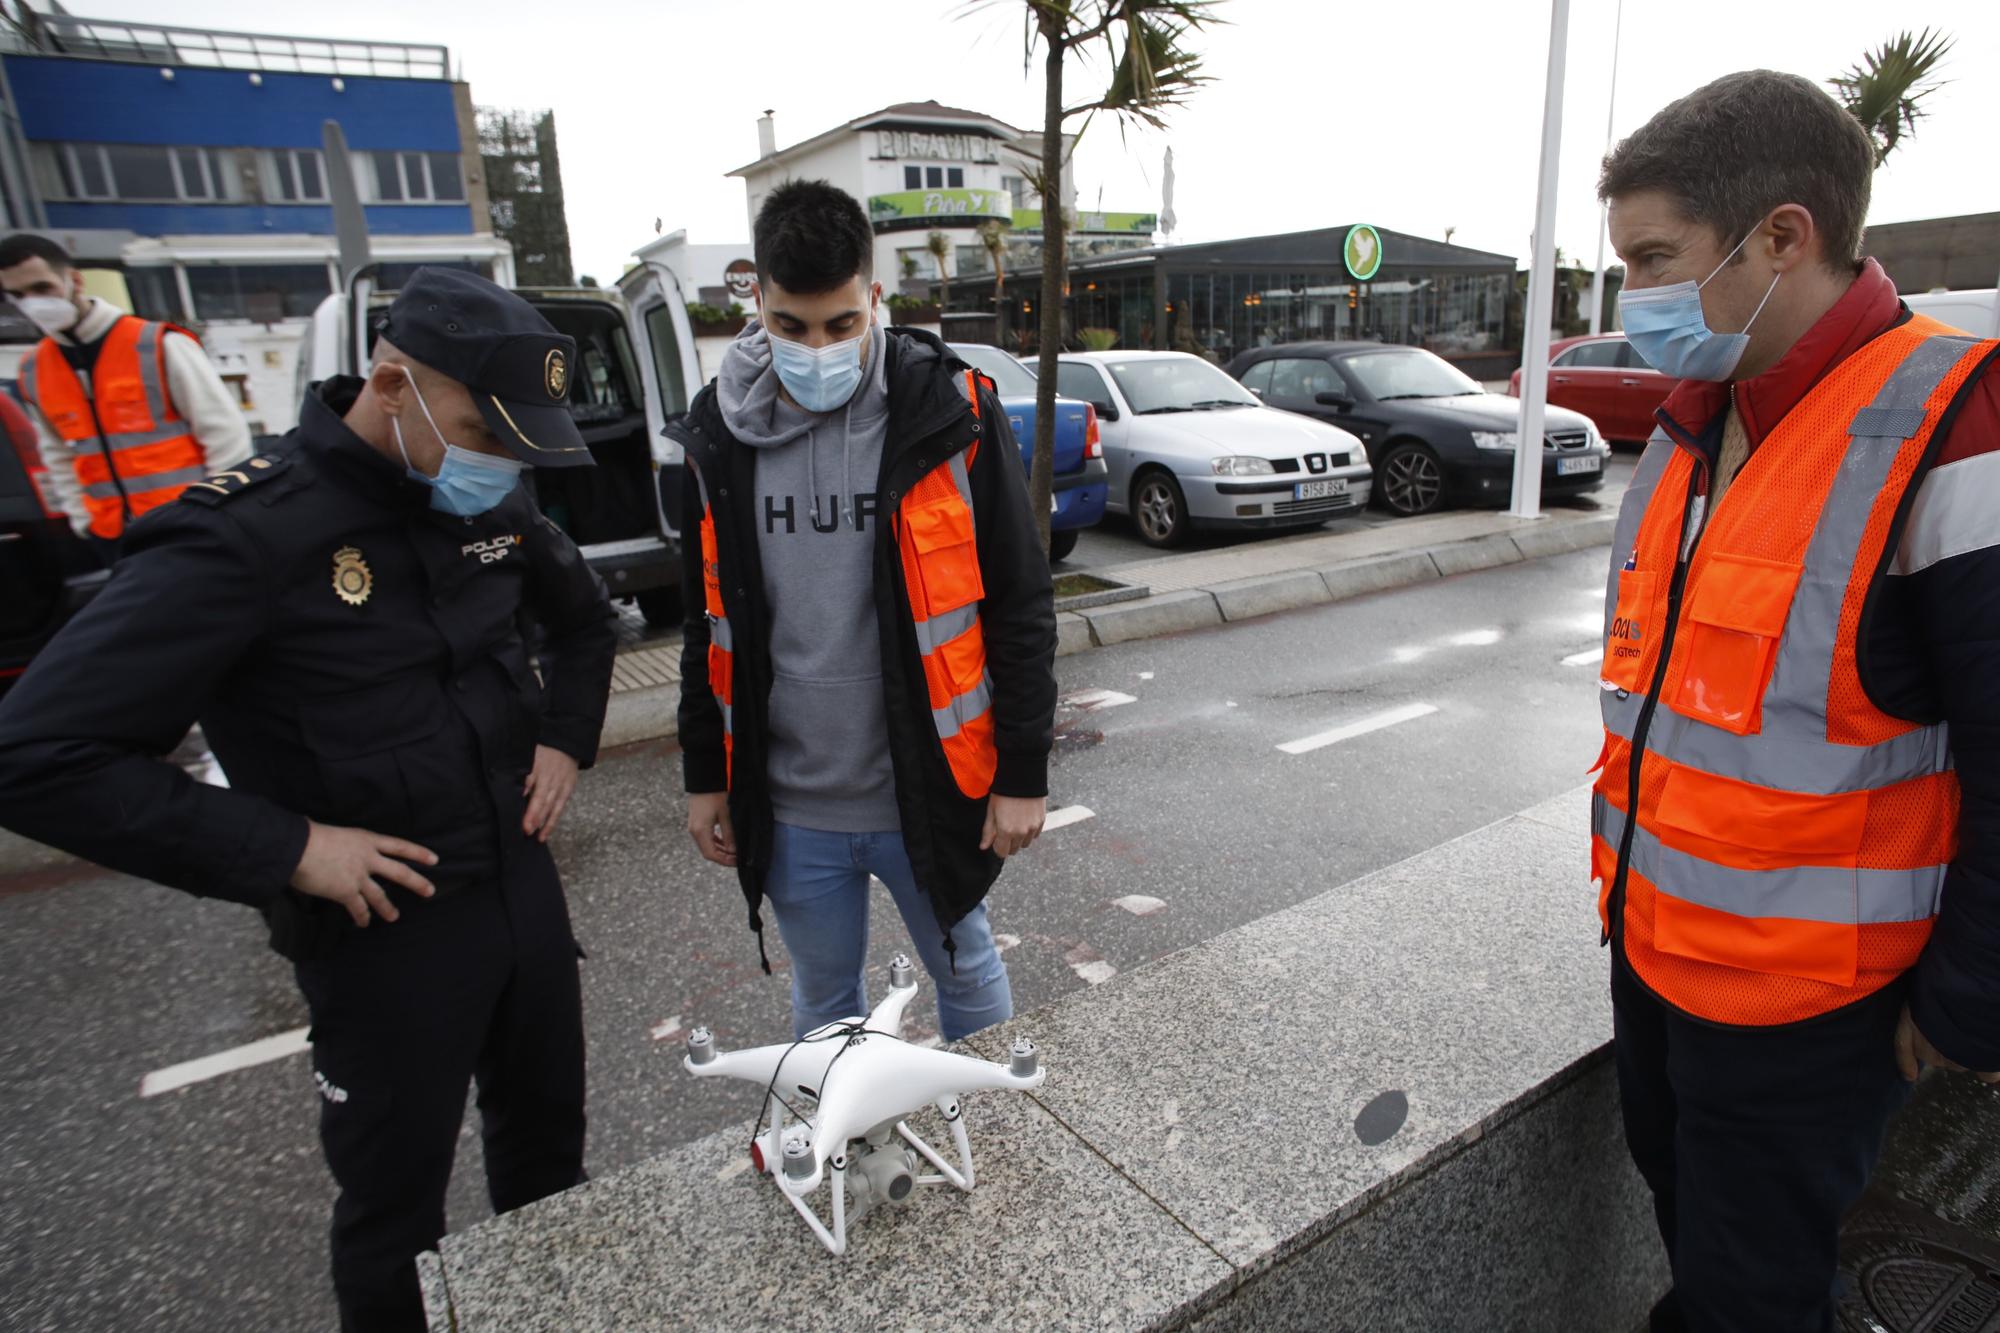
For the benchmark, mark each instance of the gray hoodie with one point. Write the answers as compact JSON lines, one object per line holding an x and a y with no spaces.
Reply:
{"x":814,"y":517}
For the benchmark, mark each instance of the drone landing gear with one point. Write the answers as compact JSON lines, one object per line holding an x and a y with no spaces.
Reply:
{"x":873,"y":1171}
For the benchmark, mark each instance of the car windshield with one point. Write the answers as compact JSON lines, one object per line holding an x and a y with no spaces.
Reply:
{"x":1008,"y":375}
{"x":1177,"y":384}
{"x":1409,"y":372}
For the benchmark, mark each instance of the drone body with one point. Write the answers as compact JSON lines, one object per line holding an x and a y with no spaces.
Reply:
{"x":862,"y":1079}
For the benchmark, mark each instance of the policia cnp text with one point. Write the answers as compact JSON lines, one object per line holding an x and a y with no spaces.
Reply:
{"x":334,"y":617}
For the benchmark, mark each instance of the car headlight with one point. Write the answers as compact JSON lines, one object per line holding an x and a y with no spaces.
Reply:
{"x":1496,"y":439}
{"x":1241,"y":467}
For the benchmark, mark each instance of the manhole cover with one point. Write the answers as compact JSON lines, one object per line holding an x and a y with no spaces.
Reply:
{"x":1908,"y":1271}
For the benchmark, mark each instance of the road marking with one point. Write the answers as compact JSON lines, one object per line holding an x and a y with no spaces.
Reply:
{"x":1394,"y":717}
{"x":189,"y":1072}
{"x":1138,"y":904}
{"x":1585,"y":658}
{"x":1069,"y":814}
{"x":1477,"y":638}
{"x":1145,"y":675}
{"x":1094,"y":700}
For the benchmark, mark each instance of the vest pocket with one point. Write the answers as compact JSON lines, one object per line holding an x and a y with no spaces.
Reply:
{"x":1736,"y":615}
{"x":947,"y":556}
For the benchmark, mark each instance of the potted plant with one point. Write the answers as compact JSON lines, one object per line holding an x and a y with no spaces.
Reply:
{"x":906,"y":309}
{"x":714,"y":322}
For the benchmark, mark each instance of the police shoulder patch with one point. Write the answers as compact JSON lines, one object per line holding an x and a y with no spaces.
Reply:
{"x":224,"y":485}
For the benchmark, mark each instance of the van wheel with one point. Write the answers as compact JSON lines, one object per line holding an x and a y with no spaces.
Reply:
{"x":1061,"y":545}
{"x":660,"y":606}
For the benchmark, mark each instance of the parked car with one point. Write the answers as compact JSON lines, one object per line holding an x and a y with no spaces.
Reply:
{"x":48,"y":571}
{"x":1076,"y":500}
{"x":1976,"y":311}
{"x":635,"y":362}
{"x":1435,"y":437}
{"x":1606,"y":379}
{"x":1189,"y":448}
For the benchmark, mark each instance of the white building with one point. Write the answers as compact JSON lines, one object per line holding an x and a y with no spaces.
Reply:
{"x":919,"y":168}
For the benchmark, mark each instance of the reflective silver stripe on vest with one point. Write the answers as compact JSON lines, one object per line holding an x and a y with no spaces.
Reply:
{"x":1791,"y":752}
{"x":1840,"y":895}
{"x":137,"y":439}
{"x":1632,"y":513}
{"x":149,"y":373}
{"x":1796,"y":700}
{"x":719,"y":633}
{"x":953,"y":716}
{"x":942,"y":628}
{"x":145,"y":482}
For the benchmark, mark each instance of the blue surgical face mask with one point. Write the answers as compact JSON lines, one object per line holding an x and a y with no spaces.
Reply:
{"x":467,"y":484}
{"x":1667,"y":327}
{"x":823,"y":379}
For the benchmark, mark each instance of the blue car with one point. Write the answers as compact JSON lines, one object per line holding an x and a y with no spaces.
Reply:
{"x":1081,"y":478}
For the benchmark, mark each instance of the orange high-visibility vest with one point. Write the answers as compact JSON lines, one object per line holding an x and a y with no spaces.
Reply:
{"x":1780,"y":848}
{"x":131,"y":449}
{"x":940,"y":559}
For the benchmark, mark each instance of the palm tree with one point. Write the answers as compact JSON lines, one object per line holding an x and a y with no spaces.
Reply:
{"x":1883,"y":91}
{"x":939,"y":245}
{"x":993,"y":235}
{"x":1151,"y":72}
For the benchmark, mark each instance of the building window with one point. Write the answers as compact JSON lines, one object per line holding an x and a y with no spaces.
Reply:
{"x":954,"y":177}
{"x":98,"y":172}
{"x":1017,"y":190}
{"x":934,"y":178}
{"x":913,"y":178}
{"x":418,"y":178}
{"x":265,"y":293}
{"x":914,"y":262}
{"x":295,"y":176}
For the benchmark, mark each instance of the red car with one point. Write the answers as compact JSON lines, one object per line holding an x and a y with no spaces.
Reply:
{"x":1604,"y":379}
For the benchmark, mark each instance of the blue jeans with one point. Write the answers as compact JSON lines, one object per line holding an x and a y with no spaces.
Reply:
{"x":818,"y":887}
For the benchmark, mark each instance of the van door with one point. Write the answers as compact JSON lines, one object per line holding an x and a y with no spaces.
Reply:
{"x":660,"y":328}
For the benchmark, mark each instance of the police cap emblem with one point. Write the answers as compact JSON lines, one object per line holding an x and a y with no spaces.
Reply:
{"x":352,"y":580}
{"x":555,"y":373}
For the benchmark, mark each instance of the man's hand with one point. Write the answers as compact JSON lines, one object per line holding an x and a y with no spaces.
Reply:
{"x":1013,"y":823}
{"x":550,"y":784}
{"x":342,"y":865}
{"x":1914,"y":1049}
{"x":709,"y":826}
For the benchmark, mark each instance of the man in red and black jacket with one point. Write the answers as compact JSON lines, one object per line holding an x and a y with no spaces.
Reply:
{"x":868,"y":683}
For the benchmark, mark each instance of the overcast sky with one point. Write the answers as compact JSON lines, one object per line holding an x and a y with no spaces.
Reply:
{"x":1417,"y":114}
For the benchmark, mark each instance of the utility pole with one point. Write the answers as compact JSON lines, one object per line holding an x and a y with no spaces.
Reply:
{"x":1610,"y":120}
{"x":1541,"y":283}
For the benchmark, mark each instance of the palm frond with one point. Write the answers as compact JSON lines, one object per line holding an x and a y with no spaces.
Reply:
{"x":1885,"y":90}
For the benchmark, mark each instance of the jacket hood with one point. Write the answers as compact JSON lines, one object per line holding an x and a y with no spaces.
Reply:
{"x":747,"y":390}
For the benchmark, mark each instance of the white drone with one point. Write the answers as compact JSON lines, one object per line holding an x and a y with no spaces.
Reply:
{"x":862,"y":1079}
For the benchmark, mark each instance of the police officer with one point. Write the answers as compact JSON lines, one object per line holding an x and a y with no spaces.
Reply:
{"x":343,"y":616}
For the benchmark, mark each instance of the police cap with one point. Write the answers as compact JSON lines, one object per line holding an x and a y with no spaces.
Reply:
{"x":512,"y":361}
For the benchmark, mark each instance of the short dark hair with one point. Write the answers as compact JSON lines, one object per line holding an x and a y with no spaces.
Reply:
{"x":25,"y":245}
{"x":1730,"y":152}
{"x":811,"y":237}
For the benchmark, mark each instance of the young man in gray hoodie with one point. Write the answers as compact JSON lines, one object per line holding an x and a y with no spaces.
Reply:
{"x":868,"y":681}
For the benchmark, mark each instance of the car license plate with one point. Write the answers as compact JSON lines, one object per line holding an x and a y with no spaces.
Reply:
{"x":1568,"y":467}
{"x":1334,"y":488}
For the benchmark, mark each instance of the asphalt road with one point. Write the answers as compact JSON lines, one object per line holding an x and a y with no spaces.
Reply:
{"x":206,"y":1208}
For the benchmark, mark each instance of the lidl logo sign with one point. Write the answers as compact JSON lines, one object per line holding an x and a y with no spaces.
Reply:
{"x":1363,"y":252}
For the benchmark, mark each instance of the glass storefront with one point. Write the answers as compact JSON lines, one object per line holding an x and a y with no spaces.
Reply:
{"x":1222,"y":314}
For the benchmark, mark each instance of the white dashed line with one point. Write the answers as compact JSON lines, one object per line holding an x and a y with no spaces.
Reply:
{"x":226,"y":1062}
{"x":1094,"y":700}
{"x":1477,"y":638}
{"x":1394,"y":717}
{"x":1588,"y":658}
{"x":1069,"y":814}
{"x":1138,"y":904}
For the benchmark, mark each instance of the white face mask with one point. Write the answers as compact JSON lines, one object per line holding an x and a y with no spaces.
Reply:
{"x":50,"y":314}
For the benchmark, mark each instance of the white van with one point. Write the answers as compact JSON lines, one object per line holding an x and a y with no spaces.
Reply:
{"x":635,"y":371}
{"x":1977,"y":311}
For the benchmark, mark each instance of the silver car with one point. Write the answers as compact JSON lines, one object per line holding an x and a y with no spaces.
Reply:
{"x":1190,"y":447}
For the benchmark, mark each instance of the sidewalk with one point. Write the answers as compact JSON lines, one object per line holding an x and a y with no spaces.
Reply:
{"x":1200,"y":589}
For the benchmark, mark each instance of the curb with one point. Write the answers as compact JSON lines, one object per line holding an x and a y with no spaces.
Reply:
{"x":650,"y":714}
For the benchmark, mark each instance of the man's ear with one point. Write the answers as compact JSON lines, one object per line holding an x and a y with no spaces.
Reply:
{"x":757,"y":297}
{"x":1793,"y":234}
{"x":389,"y":382}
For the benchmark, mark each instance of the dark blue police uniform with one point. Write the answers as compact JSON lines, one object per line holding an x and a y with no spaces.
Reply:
{"x":357,"y":658}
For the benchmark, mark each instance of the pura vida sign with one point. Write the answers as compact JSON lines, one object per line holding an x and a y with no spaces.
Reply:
{"x":901,"y":144}
{"x":942,"y":205}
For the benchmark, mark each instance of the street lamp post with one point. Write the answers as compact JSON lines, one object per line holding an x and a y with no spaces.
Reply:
{"x":1610,"y":121}
{"x":1541,"y":284}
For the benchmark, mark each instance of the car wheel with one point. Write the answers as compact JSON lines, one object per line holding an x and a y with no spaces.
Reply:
{"x":1061,"y":545}
{"x":1159,"y":510}
{"x":660,"y":606}
{"x":1410,"y":480}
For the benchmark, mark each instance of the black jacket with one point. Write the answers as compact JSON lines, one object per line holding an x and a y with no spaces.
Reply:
{"x":411,"y":711}
{"x":930,"y":421}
